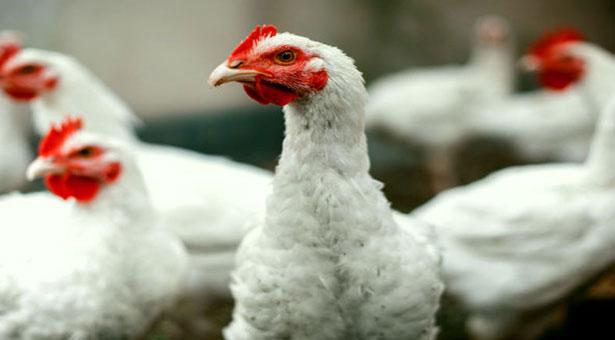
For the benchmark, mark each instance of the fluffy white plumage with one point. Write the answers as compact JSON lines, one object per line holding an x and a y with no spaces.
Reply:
{"x":542,"y":125}
{"x":15,"y":153}
{"x":328,"y":261}
{"x":432,"y":106}
{"x":598,"y":83}
{"x":206,"y":200}
{"x":521,"y":240}
{"x":105,"y":269}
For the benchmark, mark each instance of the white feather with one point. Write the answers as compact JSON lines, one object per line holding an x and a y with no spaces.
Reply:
{"x":541,"y":125}
{"x":523,"y":239}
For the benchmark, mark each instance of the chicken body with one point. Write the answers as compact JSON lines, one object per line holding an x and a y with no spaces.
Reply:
{"x":98,"y":270}
{"x":328,"y":260}
{"x":557,"y":125}
{"x":433,"y":107}
{"x":520,"y":241}
{"x":541,"y":125}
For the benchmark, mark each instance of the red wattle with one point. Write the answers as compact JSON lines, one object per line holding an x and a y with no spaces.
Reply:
{"x":559,"y":75}
{"x":55,"y":184}
{"x":83,"y":189}
{"x":251,"y":92}
{"x":265,"y":94}
{"x":274,"y":95}
{"x":20,"y":94}
{"x":556,"y":81}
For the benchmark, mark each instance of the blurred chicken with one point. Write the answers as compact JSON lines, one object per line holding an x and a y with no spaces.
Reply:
{"x":206,"y":200}
{"x":431,"y":106}
{"x":519,"y":242}
{"x":98,"y":266}
{"x":15,"y":152}
{"x":541,"y":125}
{"x":563,"y":61}
{"x":557,"y":123}
{"x":328,"y":261}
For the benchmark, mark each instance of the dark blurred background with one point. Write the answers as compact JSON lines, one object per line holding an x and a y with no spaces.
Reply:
{"x":156,"y":54}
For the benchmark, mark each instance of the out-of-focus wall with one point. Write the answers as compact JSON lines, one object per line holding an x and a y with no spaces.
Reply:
{"x":157,"y":53}
{"x":388,"y":35}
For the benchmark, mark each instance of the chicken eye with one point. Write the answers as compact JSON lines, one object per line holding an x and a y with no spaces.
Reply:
{"x":27,"y":69}
{"x":285,"y":57}
{"x":86,"y":152}
{"x":566,"y":58}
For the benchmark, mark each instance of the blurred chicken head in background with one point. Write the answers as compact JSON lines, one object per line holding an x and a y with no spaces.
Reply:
{"x":272,"y":68}
{"x":492,"y":30}
{"x":22,"y":81}
{"x":74,"y":164}
{"x":554,"y":62}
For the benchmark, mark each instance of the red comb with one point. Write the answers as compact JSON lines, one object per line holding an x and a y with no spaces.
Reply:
{"x":10,"y":45}
{"x":543,"y":46}
{"x":259,"y":32}
{"x":57,"y":135}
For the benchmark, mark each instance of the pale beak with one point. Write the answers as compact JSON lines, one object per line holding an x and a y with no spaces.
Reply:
{"x":529,"y":63}
{"x":41,"y":167}
{"x":224,"y":74}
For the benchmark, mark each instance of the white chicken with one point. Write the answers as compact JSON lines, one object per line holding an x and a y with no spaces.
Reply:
{"x":431,"y":106}
{"x":206,"y":200}
{"x":15,"y":152}
{"x":582,"y":75}
{"x":520,"y":241}
{"x":328,"y":261}
{"x":563,"y":61}
{"x":557,"y":123}
{"x":98,"y":266}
